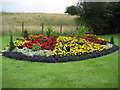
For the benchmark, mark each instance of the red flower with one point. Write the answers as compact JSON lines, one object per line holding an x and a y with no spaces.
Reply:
{"x":37,"y":41}
{"x":49,"y":45}
{"x":94,"y":40}
{"x":30,"y":47}
{"x":48,"y":39}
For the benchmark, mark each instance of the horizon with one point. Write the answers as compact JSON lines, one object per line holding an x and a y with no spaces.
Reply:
{"x":32,"y":12}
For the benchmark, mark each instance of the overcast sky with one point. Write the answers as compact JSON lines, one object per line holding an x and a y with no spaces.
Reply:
{"x":43,"y":6}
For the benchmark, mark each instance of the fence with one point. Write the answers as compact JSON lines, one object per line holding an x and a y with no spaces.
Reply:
{"x":36,"y":29}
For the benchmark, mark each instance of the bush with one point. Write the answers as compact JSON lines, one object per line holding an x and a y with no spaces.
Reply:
{"x":36,"y":47}
{"x":102,"y":17}
{"x":112,"y":40}
{"x":12,"y":46}
{"x":25,"y":34}
{"x":81,"y":31}
{"x":49,"y":32}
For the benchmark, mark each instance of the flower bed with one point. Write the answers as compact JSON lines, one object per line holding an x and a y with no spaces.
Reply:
{"x":59,"y":49}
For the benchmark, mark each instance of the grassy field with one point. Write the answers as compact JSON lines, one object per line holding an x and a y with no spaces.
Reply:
{"x":100,"y":72}
{"x":33,"y":22}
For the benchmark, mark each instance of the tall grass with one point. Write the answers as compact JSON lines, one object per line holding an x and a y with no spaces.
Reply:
{"x":36,"y":19}
{"x":36,"y":29}
{"x":33,"y":22}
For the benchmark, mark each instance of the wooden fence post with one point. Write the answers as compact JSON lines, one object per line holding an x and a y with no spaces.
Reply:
{"x":22,"y":27}
{"x":42,"y":27}
{"x":60,"y":28}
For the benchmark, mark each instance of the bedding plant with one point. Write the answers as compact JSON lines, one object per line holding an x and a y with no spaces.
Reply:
{"x":51,"y":49}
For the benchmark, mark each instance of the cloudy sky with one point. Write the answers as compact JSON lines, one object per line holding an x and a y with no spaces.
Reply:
{"x":43,"y":6}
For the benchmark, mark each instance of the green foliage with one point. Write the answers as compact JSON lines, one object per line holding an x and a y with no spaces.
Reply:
{"x":25,"y":34}
{"x":113,"y":17}
{"x":43,"y":40}
{"x":90,"y":12}
{"x":36,"y":47}
{"x":49,"y":32}
{"x":102,"y":17}
{"x":72,"y":10}
{"x":112,"y":40}
{"x":81,"y":31}
{"x":11,"y":44}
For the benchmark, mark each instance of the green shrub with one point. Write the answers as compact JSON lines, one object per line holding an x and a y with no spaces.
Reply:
{"x":49,"y":32}
{"x":81,"y":31}
{"x":112,"y":40}
{"x":36,"y":47}
{"x":11,"y":45}
{"x":25,"y":34}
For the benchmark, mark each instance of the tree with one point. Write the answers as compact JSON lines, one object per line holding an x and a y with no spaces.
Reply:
{"x":113,"y":15}
{"x":72,"y":10}
{"x":92,"y":15}
{"x":102,"y":17}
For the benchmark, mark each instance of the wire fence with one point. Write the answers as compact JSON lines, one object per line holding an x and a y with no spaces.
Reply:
{"x":37,"y":29}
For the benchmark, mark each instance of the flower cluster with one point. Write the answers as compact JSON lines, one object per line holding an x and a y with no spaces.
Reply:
{"x":59,"y":49}
{"x":90,"y":35}
{"x":34,"y":36}
{"x":30,"y":52}
{"x":52,"y":59}
{"x":46,"y":43}
{"x":70,"y":46}
{"x":18,"y":43}
{"x":23,"y":38}
{"x":95,"y":40}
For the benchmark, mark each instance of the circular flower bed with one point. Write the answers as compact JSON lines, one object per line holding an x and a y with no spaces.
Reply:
{"x":59,"y":48}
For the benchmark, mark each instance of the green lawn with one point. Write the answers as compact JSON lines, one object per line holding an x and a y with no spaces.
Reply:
{"x":100,"y":72}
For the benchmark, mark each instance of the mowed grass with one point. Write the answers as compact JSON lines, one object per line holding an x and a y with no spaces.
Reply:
{"x":99,"y":72}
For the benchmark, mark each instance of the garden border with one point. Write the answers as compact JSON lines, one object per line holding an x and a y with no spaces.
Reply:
{"x":58,"y":59}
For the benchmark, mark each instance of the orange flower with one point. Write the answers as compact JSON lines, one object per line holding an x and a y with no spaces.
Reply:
{"x":36,"y":36}
{"x":40,"y":35}
{"x":30,"y":36}
{"x":23,"y":38}
{"x":90,"y":35}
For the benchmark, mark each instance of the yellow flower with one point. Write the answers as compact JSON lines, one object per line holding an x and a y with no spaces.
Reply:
{"x":19,"y":42}
{"x":66,"y":46}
